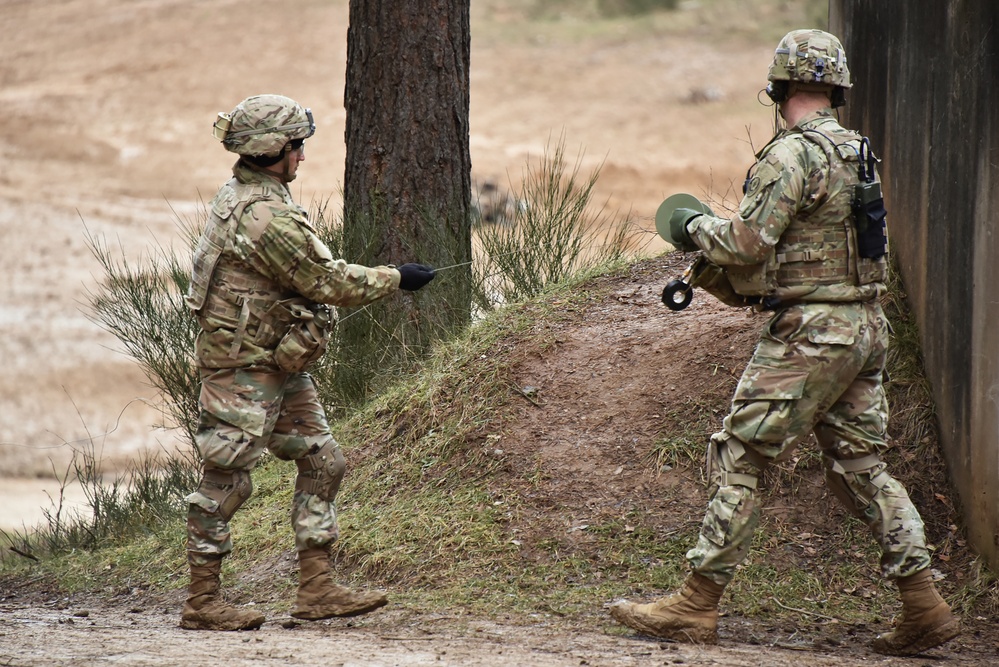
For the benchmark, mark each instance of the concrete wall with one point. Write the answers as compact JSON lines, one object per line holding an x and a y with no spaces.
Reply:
{"x":926,"y":90}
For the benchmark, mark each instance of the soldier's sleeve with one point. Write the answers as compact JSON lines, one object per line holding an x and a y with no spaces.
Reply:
{"x":298,"y":259}
{"x":771,"y":201}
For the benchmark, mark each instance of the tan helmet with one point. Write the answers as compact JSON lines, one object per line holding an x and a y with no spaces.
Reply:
{"x":263,"y":125}
{"x":810,"y":57}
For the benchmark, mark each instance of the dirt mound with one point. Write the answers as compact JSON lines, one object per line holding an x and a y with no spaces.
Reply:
{"x":603,"y":403}
{"x":622,"y":373}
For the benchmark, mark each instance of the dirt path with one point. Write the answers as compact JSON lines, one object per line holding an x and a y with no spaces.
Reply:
{"x":140,"y":632}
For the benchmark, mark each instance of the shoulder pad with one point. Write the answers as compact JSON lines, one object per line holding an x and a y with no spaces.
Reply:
{"x":224,"y":202}
{"x":793,"y":149}
{"x":257,"y":215}
{"x":263,"y":212}
{"x":298,"y":214}
{"x":767,"y":170}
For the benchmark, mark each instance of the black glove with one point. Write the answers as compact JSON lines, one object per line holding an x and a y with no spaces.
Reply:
{"x":415,"y":276}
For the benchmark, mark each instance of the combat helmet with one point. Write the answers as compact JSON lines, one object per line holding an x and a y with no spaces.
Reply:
{"x":810,"y":58}
{"x":263,"y":124}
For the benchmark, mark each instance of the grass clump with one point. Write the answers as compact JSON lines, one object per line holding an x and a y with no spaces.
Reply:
{"x":142,"y":305}
{"x":553,"y":233}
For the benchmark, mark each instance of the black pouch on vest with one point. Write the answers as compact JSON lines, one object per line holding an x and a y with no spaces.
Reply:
{"x":869,"y":212}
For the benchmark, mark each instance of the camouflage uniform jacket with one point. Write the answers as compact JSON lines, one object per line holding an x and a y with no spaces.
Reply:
{"x":793,"y":238}
{"x":258,"y":260}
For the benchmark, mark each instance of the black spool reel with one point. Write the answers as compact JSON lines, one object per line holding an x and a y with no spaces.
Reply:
{"x":677,"y":294}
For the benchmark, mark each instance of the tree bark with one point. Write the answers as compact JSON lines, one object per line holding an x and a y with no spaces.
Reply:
{"x":407,"y":184}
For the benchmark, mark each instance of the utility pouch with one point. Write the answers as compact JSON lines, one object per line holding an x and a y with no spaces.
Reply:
{"x":869,"y":212}
{"x":713,"y":279}
{"x":306,"y":339}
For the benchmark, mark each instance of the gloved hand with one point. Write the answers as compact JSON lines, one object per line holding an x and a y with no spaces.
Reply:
{"x":415,"y":276}
{"x":678,"y":234}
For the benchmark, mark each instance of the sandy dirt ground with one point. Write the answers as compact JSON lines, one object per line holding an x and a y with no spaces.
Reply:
{"x":108,"y":106}
{"x":67,"y":635}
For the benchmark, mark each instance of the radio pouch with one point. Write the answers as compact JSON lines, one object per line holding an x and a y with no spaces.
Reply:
{"x":868,"y":204}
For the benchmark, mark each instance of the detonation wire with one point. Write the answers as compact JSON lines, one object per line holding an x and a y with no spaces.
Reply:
{"x":460,"y":264}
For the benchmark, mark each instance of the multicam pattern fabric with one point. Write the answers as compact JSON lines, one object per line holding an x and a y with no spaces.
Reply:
{"x":811,"y":57}
{"x":263,"y":124}
{"x":817,"y":367}
{"x":257,"y":254}
{"x":819,"y":363}
{"x":245,"y":412}
{"x":793,"y":238}
{"x":258,"y":251}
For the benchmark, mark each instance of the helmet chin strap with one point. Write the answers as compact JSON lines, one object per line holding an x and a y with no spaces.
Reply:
{"x":281,"y":169}
{"x":778,"y":118}
{"x":286,"y":174}
{"x":285,"y":165}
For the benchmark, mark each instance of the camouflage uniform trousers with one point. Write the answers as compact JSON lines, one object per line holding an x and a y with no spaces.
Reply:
{"x":244,"y":412}
{"x":817,"y":367}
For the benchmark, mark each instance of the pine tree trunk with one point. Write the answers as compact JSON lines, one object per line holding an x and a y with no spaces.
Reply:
{"x":407,"y":186}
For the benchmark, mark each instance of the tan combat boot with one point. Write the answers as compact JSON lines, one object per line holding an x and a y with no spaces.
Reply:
{"x":926,"y":620}
{"x":205,"y":609}
{"x":319,"y":597}
{"x":690,"y":616}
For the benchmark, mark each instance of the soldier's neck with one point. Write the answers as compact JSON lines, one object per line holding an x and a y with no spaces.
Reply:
{"x":800,"y":105}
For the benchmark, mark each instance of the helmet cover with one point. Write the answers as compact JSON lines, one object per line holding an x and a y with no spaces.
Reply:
{"x":263,"y":124}
{"x":810,"y":57}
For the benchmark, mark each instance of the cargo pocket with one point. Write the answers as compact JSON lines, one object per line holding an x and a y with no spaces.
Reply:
{"x":204,"y":502}
{"x":721,"y":514}
{"x":837,"y":325}
{"x":834,"y":335}
{"x":220,"y":401}
{"x":224,"y":445}
{"x":763,"y":403}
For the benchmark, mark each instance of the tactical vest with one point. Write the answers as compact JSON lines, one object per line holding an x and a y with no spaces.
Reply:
{"x":817,"y":257}
{"x":224,"y":290}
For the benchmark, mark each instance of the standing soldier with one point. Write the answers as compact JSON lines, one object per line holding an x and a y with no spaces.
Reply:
{"x":808,"y":243}
{"x":261,"y":283}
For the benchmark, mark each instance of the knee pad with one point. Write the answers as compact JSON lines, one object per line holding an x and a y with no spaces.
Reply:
{"x":724,"y":454}
{"x":320,"y":473}
{"x":229,"y":489}
{"x":843,"y":478}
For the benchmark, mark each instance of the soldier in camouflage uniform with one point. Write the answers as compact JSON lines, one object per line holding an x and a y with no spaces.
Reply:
{"x":796,"y":247}
{"x":261,"y":288}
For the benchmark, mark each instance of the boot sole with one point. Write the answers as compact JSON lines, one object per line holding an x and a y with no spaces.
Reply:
{"x":932,"y":639}
{"x":339,"y":613}
{"x":188,"y":624}
{"x":682,"y":634}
